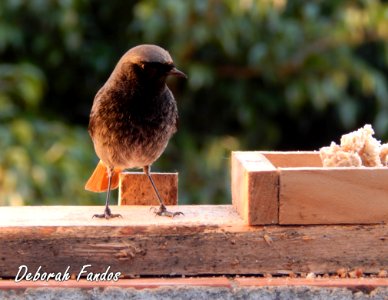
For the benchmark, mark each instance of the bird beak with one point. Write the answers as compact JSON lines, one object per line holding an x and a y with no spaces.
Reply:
{"x":175,"y":72}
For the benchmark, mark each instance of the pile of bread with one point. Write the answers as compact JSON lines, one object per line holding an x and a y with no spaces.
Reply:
{"x":358,"y":148}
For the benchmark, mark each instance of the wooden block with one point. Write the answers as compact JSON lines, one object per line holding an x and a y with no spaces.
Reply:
{"x":254,"y":188}
{"x":333,"y":196}
{"x":136,"y":189}
{"x":208,"y":239}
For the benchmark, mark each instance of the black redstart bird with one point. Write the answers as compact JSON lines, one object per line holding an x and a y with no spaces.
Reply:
{"x":132,"y":119}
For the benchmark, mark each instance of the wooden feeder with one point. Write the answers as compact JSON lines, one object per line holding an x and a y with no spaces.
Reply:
{"x":293,"y":188}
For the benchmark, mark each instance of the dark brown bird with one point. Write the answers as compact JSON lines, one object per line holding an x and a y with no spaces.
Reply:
{"x":132,"y":119}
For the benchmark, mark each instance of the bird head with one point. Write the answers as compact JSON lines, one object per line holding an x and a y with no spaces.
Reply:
{"x":150,"y":62}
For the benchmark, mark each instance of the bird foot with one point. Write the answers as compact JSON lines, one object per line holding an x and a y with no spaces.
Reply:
{"x":107,"y":215}
{"x":162,"y":211}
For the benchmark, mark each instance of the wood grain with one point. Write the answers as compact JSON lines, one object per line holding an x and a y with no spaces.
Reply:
{"x":136,"y":189}
{"x":254,"y":188}
{"x":206,"y":240}
{"x":305,"y":192}
{"x":333,"y":196}
{"x":293,"y":159}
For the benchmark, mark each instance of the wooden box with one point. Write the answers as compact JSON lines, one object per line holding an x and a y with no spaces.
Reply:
{"x":293,"y":188}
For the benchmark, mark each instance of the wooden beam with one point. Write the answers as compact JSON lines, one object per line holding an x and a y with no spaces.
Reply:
{"x":136,"y":189}
{"x":206,"y":240}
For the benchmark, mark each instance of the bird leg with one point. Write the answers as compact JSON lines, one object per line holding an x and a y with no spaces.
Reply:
{"x":107,"y":212}
{"x":162,"y":211}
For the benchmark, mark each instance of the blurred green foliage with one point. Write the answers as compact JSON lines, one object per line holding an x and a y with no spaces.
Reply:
{"x":265,"y":74}
{"x":40,"y":159}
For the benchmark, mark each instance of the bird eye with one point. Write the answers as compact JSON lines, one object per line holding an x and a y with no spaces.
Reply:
{"x":155,"y":68}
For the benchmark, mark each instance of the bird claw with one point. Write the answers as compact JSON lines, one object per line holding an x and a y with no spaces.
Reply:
{"x":107,"y":215}
{"x":162,"y":211}
{"x":169,"y":214}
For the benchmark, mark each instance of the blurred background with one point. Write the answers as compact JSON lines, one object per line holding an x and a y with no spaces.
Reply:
{"x":263,"y":75}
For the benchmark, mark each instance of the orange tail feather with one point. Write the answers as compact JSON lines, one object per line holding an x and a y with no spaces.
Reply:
{"x":98,"y":182}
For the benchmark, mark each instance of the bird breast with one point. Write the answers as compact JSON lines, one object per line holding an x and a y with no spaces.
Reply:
{"x":133,"y":134}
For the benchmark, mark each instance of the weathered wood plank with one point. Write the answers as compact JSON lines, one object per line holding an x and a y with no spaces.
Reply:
{"x":133,"y":216}
{"x":206,"y":240}
{"x":254,"y":188}
{"x":136,"y":189}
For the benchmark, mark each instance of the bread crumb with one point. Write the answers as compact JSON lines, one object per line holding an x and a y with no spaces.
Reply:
{"x":355,"y":141}
{"x":384,"y":154}
{"x":342,"y":273}
{"x":311,"y":275}
{"x":334,"y":156}
{"x":356,"y":273}
{"x":370,"y":154}
{"x":357,"y":148}
{"x":382,"y":274}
